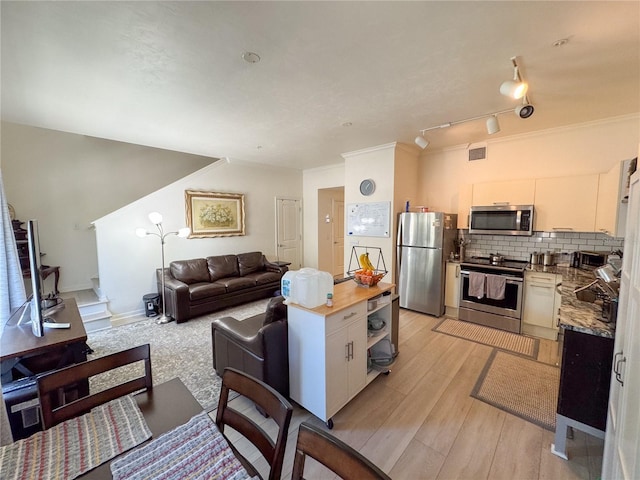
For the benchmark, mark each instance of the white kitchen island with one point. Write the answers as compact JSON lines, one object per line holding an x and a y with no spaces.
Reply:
{"x":329,"y":347}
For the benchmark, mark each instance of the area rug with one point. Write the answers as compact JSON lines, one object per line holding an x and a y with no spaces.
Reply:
{"x":493,"y":337}
{"x":520,"y":386}
{"x":177,"y":350}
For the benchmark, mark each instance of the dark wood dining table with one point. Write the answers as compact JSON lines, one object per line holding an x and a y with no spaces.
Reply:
{"x":165,"y":407}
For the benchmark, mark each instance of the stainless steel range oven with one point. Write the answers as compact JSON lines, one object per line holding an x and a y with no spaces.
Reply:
{"x":477,"y":307}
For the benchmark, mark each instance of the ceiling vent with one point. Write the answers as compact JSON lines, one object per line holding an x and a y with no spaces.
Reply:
{"x":477,"y":151}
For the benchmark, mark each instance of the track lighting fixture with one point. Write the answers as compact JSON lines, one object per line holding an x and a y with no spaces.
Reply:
{"x":492,"y":125}
{"x":516,"y":88}
{"x":525,"y":110}
{"x":421,"y":142}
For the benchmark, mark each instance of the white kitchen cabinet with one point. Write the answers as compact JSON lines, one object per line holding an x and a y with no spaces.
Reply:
{"x":541,"y":301}
{"x":511,"y":192}
{"x":465,"y":193}
{"x":566,"y":203}
{"x":610,"y":210}
{"x":621,"y":458}
{"x":452,"y":289}
{"x":346,"y":370}
{"x":328,"y":348}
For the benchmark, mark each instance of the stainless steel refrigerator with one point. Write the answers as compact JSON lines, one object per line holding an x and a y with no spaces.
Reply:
{"x":425,"y":241}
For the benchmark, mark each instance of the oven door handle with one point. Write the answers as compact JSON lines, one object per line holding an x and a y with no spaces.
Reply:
{"x":508,"y":277}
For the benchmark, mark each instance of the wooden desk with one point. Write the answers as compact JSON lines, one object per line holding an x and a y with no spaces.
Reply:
{"x":165,"y":407}
{"x":24,"y":354}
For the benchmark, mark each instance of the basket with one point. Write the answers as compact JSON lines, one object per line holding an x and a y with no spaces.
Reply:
{"x":368,"y":280}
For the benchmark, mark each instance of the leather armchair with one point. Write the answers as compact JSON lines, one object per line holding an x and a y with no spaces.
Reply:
{"x":257,"y":345}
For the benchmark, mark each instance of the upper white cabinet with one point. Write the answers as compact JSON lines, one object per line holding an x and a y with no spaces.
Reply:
{"x":610,"y":211}
{"x":582,"y":203}
{"x":566,"y":203}
{"x":464,"y":205}
{"x":512,"y":192}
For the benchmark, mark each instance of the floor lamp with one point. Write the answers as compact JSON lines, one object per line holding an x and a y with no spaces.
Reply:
{"x":156,"y":219}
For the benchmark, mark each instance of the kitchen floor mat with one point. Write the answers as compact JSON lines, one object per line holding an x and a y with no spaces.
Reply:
{"x":493,"y":337}
{"x":525,"y":388}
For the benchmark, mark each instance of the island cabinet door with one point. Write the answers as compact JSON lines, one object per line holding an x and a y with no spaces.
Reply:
{"x":346,"y":372}
{"x":585,"y":378}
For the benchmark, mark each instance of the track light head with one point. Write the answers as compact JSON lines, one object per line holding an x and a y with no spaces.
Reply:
{"x":516,"y":88}
{"x":525,"y":110}
{"x":421,"y":142}
{"x":492,"y":125}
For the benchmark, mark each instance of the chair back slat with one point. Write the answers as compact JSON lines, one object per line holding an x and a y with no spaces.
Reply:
{"x":334,"y":454}
{"x":271,"y":402}
{"x":50,"y":384}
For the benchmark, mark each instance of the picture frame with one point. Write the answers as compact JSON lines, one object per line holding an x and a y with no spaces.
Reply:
{"x":214,"y":214}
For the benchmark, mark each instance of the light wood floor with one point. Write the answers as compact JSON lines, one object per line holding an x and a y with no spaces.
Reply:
{"x":419,"y":422}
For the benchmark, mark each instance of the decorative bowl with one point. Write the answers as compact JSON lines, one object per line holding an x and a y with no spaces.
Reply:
{"x":368,"y":280}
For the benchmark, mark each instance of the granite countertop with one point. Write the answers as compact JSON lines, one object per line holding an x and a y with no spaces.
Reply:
{"x":575,"y":314}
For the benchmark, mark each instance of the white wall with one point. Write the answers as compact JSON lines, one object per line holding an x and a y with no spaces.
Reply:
{"x":127,"y":263}
{"x":376,"y":163}
{"x":312,"y":180}
{"x":580,"y":149}
{"x":65,"y":181}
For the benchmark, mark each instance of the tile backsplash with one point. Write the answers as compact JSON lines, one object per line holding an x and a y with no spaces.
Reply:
{"x":563,"y":244}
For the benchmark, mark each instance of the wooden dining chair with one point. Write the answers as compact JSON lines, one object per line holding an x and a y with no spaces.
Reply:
{"x":269,"y":401}
{"x":51,"y":386}
{"x":334,"y":454}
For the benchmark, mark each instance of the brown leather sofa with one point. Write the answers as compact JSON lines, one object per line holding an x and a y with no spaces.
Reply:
{"x":203,"y":285}
{"x":257,"y":345}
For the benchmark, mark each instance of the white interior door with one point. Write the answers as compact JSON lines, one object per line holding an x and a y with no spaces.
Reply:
{"x":622,"y":444}
{"x":289,"y":231}
{"x":337,"y":214}
{"x":628,"y":443}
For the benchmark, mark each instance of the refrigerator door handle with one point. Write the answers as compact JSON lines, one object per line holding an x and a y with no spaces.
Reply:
{"x":399,"y":248}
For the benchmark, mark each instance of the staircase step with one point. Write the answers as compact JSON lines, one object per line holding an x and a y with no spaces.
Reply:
{"x":97,"y":321}
{"x":93,"y":310}
{"x":95,"y":281}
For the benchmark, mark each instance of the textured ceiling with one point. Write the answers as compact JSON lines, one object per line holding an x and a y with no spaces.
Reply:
{"x":170,"y":74}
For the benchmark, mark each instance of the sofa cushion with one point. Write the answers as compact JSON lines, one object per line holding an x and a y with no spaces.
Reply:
{"x":222,"y":266}
{"x":190,"y":271}
{"x":233,"y":284}
{"x":276,"y":309}
{"x":250,"y":262}
{"x":198,"y":291}
{"x":263,"y":278}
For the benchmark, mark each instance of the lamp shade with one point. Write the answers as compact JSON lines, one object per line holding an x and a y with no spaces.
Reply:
{"x":155,"y":218}
{"x":492,"y":125}
{"x":184,"y":232}
{"x":421,"y":142}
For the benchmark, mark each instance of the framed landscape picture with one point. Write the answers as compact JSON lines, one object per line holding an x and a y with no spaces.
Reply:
{"x":213,"y":214}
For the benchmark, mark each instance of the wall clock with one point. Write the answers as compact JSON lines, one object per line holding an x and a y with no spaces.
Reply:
{"x":367,"y":187}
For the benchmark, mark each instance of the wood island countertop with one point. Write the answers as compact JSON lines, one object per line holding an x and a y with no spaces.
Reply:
{"x":347,"y":294}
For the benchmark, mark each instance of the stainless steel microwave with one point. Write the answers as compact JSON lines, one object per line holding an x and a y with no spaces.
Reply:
{"x":501,"y":219}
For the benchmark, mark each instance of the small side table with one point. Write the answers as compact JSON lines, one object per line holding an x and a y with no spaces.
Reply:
{"x":281,"y":263}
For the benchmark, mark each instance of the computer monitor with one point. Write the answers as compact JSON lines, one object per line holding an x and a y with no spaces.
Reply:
{"x":33,"y":311}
